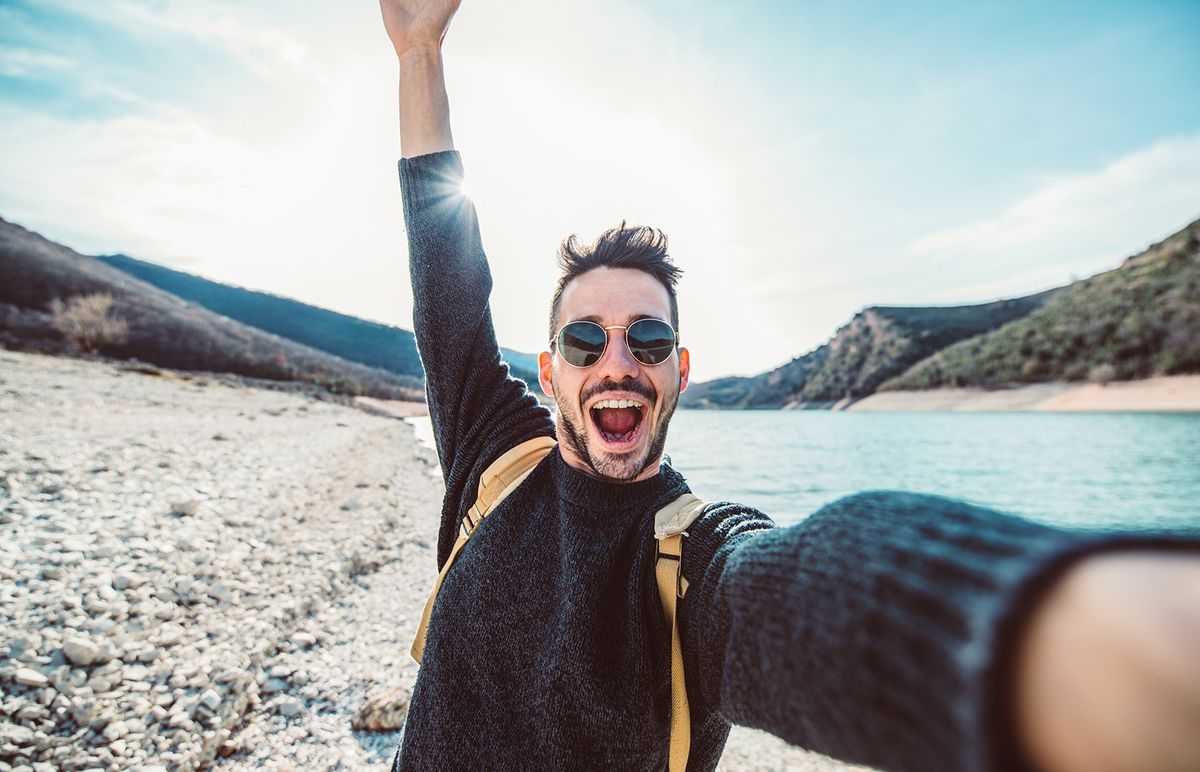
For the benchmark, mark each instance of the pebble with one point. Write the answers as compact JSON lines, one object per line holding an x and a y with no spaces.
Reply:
{"x":210,"y":699}
{"x":81,"y":651}
{"x":187,"y":508}
{"x":170,"y":635}
{"x":290,"y":706}
{"x":82,"y":710}
{"x":30,"y":677}
{"x":125,"y":580}
{"x":15,"y":734}
{"x":303,"y":639}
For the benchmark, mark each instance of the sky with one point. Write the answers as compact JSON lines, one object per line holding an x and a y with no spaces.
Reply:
{"x":806,"y":159}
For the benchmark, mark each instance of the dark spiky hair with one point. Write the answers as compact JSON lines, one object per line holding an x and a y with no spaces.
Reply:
{"x":639,"y":247}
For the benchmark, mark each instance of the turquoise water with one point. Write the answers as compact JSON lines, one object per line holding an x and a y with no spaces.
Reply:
{"x":1090,"y":470}
{"x":1093,"y":470}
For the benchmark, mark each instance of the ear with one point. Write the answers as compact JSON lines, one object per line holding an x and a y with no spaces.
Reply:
{"x":544,"y":370}
{"x":685,"y":368}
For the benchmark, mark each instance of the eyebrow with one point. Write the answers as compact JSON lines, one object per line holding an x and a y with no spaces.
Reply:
{"x":630,"y":320}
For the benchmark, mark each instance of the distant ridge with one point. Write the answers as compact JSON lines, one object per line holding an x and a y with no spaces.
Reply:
{"x":164,"y":329}
{"x":358,"y":340}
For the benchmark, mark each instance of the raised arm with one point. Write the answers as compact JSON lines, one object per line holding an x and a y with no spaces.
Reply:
{"x":478,"y":410}
{"x":416,"y":29}
{"x":920,"y":633}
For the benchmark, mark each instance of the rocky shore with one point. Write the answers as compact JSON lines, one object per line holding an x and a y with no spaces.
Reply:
{"x":195,"y":574}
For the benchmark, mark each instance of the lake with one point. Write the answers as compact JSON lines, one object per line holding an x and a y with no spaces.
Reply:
{"x":1091,"y":470}
{"x":1110,"y":469}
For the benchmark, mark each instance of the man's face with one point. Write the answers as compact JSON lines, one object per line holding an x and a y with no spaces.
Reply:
{"x":614,"y":296}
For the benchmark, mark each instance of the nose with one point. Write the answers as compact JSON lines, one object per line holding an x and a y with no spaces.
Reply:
{"x":618,"y":363}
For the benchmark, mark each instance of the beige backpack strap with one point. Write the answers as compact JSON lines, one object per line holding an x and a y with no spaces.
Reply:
{"x":669,"y":525}
{"x":497,"y":481}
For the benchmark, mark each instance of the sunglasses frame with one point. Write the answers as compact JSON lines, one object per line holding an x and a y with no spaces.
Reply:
{"x":558,"y":337}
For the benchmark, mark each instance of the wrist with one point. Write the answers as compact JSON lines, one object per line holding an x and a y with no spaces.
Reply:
{"x":419,"y":53}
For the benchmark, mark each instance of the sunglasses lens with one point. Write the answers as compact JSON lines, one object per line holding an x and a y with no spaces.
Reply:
{"x":582,"y":343}
{"x":650,"y":340}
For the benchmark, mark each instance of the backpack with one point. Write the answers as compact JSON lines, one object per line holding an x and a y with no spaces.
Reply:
{"x":502,"y":478}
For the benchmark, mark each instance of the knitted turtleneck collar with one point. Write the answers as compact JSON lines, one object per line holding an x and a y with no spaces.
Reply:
{"x":578,"y":488}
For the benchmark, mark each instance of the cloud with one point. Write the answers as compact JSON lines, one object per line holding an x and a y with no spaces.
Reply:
{"x":18,"y":62}
{"x":260,"y":41}
{"x":1074,"y":225}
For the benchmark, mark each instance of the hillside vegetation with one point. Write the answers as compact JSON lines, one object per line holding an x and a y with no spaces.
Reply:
{"x":883,"y":342}
{"x":1138,"y":320}
{"x":158,"y":327}
{"x":369,"y":343}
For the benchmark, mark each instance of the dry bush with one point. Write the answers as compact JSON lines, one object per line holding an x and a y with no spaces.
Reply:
{"x":87,"y":321}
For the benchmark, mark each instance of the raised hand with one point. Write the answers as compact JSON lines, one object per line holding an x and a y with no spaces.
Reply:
{"x":416,"y":29}
{"x":414,"y":24}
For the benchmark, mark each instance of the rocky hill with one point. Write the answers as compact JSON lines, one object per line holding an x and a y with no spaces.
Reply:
{"x":1138,"y":320}
{"x":877,"y":344}
{"x":159,"y":328}
{"x":359,"y":340}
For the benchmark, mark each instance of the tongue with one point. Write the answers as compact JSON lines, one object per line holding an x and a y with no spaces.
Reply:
{"x":616,"y":420}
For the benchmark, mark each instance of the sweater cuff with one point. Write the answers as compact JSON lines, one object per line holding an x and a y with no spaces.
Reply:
{"x":441,"y":164}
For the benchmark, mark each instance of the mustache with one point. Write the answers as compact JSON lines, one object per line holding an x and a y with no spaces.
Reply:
{"x":628,"y":385}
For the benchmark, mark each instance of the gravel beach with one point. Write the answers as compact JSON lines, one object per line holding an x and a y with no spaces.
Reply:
{"x":198,"y":574}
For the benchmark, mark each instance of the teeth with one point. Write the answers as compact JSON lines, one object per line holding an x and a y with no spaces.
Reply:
{"x":617,"y":403}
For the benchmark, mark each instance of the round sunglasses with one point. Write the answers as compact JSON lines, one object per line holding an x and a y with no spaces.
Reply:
{"x":650,"y":341}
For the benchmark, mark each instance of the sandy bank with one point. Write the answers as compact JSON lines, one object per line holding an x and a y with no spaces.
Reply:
{"x":194,"y":574}
{"x":1180,"y":393}
{"x":391,"y":408}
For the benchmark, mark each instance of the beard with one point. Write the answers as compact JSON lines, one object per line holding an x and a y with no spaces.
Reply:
{"x":623,"y":467}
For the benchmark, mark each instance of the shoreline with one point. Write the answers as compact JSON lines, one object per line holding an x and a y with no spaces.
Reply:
{"x":1165,"y":394}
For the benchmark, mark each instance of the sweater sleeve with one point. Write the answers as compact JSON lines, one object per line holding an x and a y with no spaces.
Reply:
{"x":478,"y":409}
{"x":880,"y":630}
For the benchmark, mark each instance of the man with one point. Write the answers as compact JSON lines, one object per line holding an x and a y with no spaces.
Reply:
{"x":902,"y":631}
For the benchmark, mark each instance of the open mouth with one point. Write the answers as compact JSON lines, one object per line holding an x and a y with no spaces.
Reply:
{"x":618,"y":422}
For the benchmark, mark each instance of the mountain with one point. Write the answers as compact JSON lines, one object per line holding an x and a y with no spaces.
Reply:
{"x":369,"y":343}
{"x":1137,"y":320}
{"x":162,"y":329}
{"x":773,"y":389}
{"x":877,"y":344}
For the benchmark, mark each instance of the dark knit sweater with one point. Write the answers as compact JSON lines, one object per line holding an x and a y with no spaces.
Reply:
{"x":878,"y":630}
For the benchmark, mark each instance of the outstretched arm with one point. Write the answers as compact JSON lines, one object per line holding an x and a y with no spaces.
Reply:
{"x":416,"y":29}
{"x":920,"y":633}
{"x":478,"y":410}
